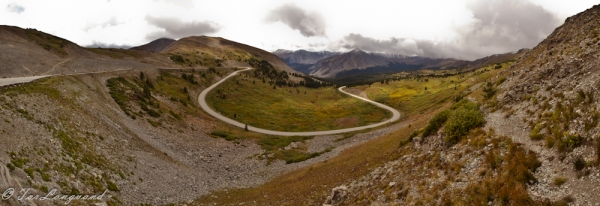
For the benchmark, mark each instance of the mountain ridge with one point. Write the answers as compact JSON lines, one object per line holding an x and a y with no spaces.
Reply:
{"x":329,"y":64}
{"x":29,"y":52}
{"x":155,"y":46}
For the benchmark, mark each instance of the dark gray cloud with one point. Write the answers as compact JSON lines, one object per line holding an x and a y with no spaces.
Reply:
{"x":309,"y":24}
{"x":393,"y":45}
{"x":13,"y":7}
{"x":97,"y":44}
{"x":500,"y":26}
{"x":175,"y":28}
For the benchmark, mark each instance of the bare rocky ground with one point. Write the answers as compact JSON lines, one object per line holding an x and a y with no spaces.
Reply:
{"x":583,"y":188}
{"x":174,"y":162}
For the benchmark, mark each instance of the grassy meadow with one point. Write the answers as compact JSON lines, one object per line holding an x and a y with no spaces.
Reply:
{"x":264,"y":105}
{"x":416,"y":95}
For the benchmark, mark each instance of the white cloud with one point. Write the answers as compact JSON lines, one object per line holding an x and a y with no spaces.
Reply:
{"x":428,"y":24}
{"x":13,"y":7}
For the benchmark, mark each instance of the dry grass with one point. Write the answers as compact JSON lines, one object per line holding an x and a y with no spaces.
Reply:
{"x":410,"y":96}
{"x":558,"y":181}
{"x":314,"y":182}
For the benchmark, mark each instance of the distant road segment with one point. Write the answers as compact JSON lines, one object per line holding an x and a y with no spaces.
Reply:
{"x":19,"y":80}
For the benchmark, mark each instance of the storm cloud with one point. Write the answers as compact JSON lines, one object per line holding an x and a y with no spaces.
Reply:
{"x":498,"y":26}
{"x":97,"y":44}
{"x":392,"y":45}
{"x":175,"y":28}
{"x":13,"y":7}
{"x":309,"y":24}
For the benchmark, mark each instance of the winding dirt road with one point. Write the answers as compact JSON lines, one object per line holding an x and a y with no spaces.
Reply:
{"x":205,"y":107}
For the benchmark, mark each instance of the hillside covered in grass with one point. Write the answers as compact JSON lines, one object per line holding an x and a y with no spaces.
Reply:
{"x":263,"y":104}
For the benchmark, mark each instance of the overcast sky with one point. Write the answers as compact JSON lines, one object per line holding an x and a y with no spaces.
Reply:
{"x":463,"y":29}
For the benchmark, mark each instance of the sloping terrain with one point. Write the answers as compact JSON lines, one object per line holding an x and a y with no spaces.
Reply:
{"x":28,"y":52}
{"x":524,"y":132}
{"x":312,"y":185}
{"x":541,"y":143}
{"x":155,"y":46}
{"x":126,"y":121}
{"x":551,"y":91}
{"x":139,"y":134}
{"x":215,"y":52}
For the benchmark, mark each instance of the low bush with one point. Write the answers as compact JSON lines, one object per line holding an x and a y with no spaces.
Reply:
{"x":535,"y":133}
{"x":153,"y":113}
{"x":597,"y":151}
{"x":10,"y":166}
{"x":489,"y":90}
{"x":578,"y":164}
{"x":436,"y":123}
{"x":466,"y":117}
{"x":558,"y":181}
{"x":111,"y":186}
{"x":219,"y":133}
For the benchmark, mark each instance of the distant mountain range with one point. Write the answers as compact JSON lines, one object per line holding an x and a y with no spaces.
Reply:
{"x":303,"y":56}
{"x":330,"y":65}
{"x":301,"y":60}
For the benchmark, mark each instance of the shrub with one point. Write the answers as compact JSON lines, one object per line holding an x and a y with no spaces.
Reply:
{"x":10,"y":166}
{"x":597,"y":151}
{"x":573,"y":140}
{"x":111,"y":186}
{"x":578,"y":163}
{"x":488,"y":90}
{"x":177,"y":59}
{"x":219,"y":133}
{"x":176,"y":116}
{"x":153,"y":123}
{"x":535,"y":133}
{"x":558,"y":181}
{"x":45,"y":177}
{"x":461,"y":121}
{"x":29,"y":172}
{"x":436,"y":123}
{"x":153,"y":113}
{"x":44,"y":189}
{"x":501,"y":80}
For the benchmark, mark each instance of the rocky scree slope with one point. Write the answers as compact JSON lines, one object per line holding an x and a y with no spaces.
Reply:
{"x":137,"y":133}
{"x":28,"y":52}
{"x":552,"y":93}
